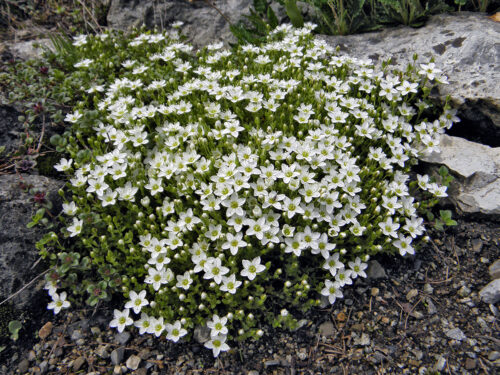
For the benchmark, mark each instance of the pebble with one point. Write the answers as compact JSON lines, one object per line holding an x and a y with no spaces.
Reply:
{"x":411,"y":294}
{"x":102,"y":351}
{"x":272,"y":362}
{"x":141,"y":371}
{"x":431,"y":308}
{"x":117,"y":356}
{"x":463,"y":291}
{"x":78,"y":363}
{"x":45,"y":331}
{"x":326,"y":329}
{"x":375,"y":271}
{"x":364,"y":340}
{"x":76,"y":335}
{"x":201,"y":334}
{"x":477,"y":245}
{"x":23,"y":366}
{"x":253,"y":372}
{"x":491,"y":292}
{"x":374,"y":292}
{"x":302,"y":354}
{"x":456,"y":334}
{"x":122,"y":338}
{"x":470,"y":364}
{"x":117,"y":370}
{"x":133,"y":362}
{"x":31,"y":355}
{"x":44,"y":366}
{"x":440,"y":363}
{"x":493,"y":356}
{"x":144,"y":354}
{"x":428,"y":288}
{"x":95,"y":330}
{"x":494,"y":269}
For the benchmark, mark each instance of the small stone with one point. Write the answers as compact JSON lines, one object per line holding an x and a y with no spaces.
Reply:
{"x":44,"y":366}
{"x":302,"y":354}
{"x":271,"y":363}
{"x":493,"y":356}
{"x":76,"y":335}
{"x":418,"y":355}
{"x":491,"y":292}
{"x":133,"y":362}
{"x":477,"y":245}
{"x":201,"y":334}
{"x":440,"y":363}
{"x":144,"y":354}
{"x":428,"y":288}
{"x":414,"y":363}
{"x":494,"y":270}
{"x":431,"y":308}
{"x":253,"y":372}
{"x":141,"y":371}
{"x":463,"y":291}
{"x":374,"y":292}
{"x":95,"y":330}
{"x":78,"y":363}
{"x":364,"y":340}
{"x":102,"y":351}
{"x":23,"y":366}
{"x":326,"y":329}
{"x":117,"y":370}
{"x":411,"y":294}
{"x":456,"y":334}
{"x":45,"y":331}
{"x":31,"y":355}
{"x":385,"y":320}
{"x":470,"y":364}
{"x":341,"y":317}
{"x":117,"y":356}
{"x":375,"y":271}
{"x":122,"y":338}
{"x":80,"y":342}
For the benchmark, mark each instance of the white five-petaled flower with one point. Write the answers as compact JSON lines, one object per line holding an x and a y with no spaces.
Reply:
{"x":63,"y":165}
{"x":137,"y":301}
{"x":217,"y":325}
{"x":58,"y":302}
{"x":332,"y":290}
{"x":217,"y":344}
{"x":252,"y":268}
{"x":121,"y":320}
{"x":75,"y":228}
{"x":175,"y":331}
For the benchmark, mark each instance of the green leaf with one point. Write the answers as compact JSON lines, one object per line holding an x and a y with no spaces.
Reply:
{"x":14,"y":328}
{"x":293,"y":13}
{"x":273,"y":20}
{"x":445,"y":215}
{"x":2,"y":149}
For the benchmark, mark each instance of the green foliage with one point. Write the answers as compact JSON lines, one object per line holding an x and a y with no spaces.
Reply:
{"x":257,"y":25}
{"x":14,"y":327}
{"x":293,"y":13}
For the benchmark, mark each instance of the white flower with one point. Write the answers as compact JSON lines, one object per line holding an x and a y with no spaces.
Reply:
{"x":121,"y":320}
{"x":184,"y":281}
{"x":217,"y":344}
{"x":63,"y":165}
{"x":332,"y":290}
{"x":230,"y":284}
{"x":158,"y":277}
{"x":137,"y":301}
{"x":75,"y":228}
{"x":403,"y":244}
{"x":70,"y":208}
{"x":157,"y":326}
{"x":252,"y":268}
{"x":234,"y":243}
{"x":357,"y":268}
{"x":144,"y":324}
{"x":217,"y":325}
{"x":214,"y":269}
{"x":175,"y":331}
{"x":58,"y":302}
{"x":389,"y":228}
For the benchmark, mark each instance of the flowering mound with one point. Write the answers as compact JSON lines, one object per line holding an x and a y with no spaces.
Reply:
{"x":227,"y":188}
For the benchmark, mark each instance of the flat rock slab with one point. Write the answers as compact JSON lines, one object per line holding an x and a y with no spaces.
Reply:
{"x":465,"y":46}
{"x":477,"y":189}
{"x":17,"y":242}
{"x":202,"y":23}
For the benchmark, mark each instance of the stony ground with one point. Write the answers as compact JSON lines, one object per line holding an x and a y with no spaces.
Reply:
{"x":420,"y":314}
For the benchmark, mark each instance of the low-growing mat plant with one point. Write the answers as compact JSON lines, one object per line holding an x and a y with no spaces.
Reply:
{"x":228,"y":188}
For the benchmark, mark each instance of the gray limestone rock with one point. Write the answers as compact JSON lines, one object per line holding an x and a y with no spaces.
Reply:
{"x":17,"y":242}
{"x":202,"y":23}
{"x":491,"y":292}
{"x":477,"y":188}
{"x":465,"y":46}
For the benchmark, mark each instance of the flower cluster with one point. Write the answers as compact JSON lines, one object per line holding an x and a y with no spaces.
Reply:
{"x":230,"y":184}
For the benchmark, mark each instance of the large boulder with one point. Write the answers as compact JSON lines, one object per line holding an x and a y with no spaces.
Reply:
{"x":18,"y":255}
{"x":466,"y":46}
{"x":477,"y":168}
{"x":203,"y":24}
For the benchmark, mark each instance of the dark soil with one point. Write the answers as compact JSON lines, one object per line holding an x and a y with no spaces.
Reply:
{"x":397,"y":324}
